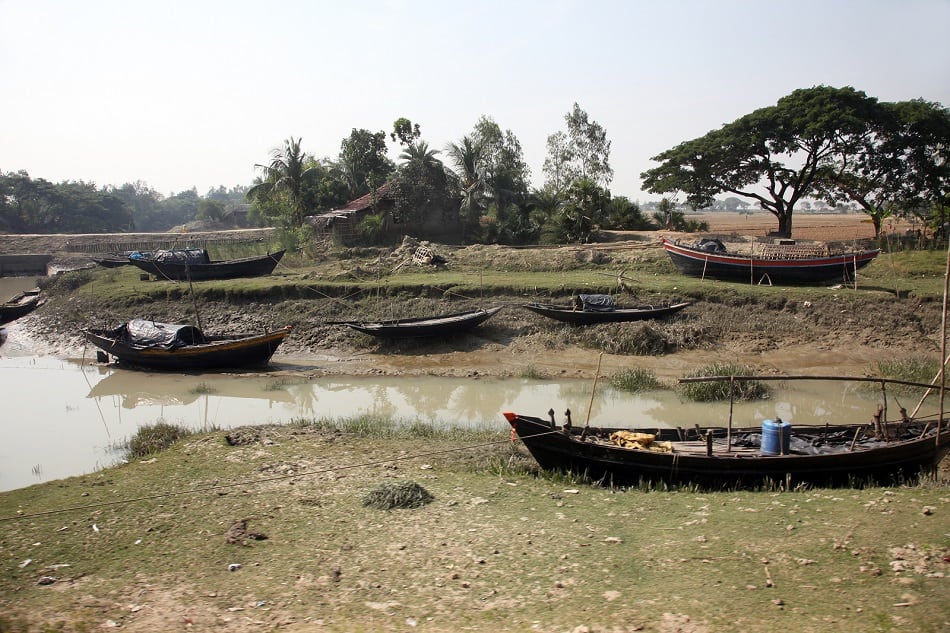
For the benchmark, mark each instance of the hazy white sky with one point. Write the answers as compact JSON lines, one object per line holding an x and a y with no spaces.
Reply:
{"x":183,"y":94}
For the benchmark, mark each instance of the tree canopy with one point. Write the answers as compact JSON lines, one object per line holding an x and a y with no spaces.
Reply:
{"x":284,"y":176}
{"x":363,"y":161}
{"x":582,"y":153}
{"x":901,"y":167}
{"x":824,"y":142}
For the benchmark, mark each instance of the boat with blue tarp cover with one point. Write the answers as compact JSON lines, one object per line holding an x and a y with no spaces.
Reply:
{"x":195,"y":264}
{"x":174,"y":346}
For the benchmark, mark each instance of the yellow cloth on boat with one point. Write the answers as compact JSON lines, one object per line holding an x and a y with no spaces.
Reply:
{"x":640,"y":441}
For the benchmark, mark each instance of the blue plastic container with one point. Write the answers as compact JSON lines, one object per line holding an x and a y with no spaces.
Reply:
{"x":776,"y":437}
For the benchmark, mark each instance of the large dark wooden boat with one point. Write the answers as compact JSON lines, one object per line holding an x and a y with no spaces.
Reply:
{"x":20,"y":305}
{"x":443,"y":325}
{"x":721,"y":457}
{"x":779,"y":452}
{"x":775,"y":264}
{"x":181,"y":347}
{"x":194,"y":264}
{"x":584,"y":314}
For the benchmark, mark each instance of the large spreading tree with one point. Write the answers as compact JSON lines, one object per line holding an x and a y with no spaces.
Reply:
{"x":900,"y":167}
{"x":776,"y":155}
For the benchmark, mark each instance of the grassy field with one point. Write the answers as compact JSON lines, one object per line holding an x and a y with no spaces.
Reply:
{"x":150,"y":545}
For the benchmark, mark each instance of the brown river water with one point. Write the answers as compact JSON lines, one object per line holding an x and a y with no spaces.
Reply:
{"x":68,"y":416}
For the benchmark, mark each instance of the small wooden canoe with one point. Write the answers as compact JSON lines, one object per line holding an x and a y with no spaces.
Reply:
{"x":569,"y":314}
{"x":442,"y":325}
{"x":20,"y":305}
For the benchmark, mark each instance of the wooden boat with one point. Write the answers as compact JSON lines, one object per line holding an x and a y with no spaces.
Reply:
{"x":832,"y":455}
{"x":194,"y":264}
{"x":582,"y":315}
{"x":170,"y":346}
{"x":443,"y":325}
{"x":113,"y":260}
{"x":20,"y":305}
{"x":883,"y":452}
{"x":776,"y":264}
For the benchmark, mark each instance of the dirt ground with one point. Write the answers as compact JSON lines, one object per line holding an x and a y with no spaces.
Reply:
{"x":831,"y":337}
{"x":823,"y":338}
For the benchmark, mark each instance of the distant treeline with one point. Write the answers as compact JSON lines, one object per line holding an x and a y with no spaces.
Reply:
{"x":30,"y":205}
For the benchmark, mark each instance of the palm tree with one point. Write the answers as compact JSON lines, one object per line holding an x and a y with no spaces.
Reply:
{"x":467,"y":159}
{"x":421,"y":154}
{"x":285,"y":175}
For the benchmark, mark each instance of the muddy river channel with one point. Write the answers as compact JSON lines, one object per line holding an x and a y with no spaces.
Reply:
{"x":69,"y":416}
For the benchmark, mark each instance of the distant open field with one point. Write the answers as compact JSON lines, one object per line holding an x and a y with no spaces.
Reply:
{"x":825,"y":227}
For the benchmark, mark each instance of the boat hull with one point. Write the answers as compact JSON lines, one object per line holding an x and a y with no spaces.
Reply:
{"x":226,"y":352}
{"x":555,"y":449}
{"x":835,"y":268}
{"x":116,"y":260}
{"x":567,"y":314}
{"x":20,"y":306}
{"x":229,"y":269}
{"x":445,"y":325}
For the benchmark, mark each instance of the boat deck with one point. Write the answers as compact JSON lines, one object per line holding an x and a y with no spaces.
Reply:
{"x":796,"y":251}
{"x":696,"y":447}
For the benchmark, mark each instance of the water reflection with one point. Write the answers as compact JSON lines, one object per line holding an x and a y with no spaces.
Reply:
{"x":62,"y":418}
{"x":132,"y":389}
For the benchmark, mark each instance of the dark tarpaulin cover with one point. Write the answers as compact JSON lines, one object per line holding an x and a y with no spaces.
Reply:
{"x":142,"y":333}
{"x":597,"y":303}
{"x":710,"y":245}
{"x":182,"y":256}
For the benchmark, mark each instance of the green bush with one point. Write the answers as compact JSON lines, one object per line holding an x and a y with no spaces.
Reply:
{"x":155,"y":438}
{"x":634,"y":380}
{"x":720,"y":390}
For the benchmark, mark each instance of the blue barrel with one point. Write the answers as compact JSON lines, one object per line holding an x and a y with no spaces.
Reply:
{"x":776,"y":437}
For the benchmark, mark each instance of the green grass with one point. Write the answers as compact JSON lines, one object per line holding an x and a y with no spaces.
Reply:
{"x":473,"y":272}
{"x":497,"y":547}
{"x":635,"y":379}
{"x":922,"y":370}
{"x":154,"y":438}
{"x":722,"y":390}
{"x":533,"y":373}
{"x":202,"y":388}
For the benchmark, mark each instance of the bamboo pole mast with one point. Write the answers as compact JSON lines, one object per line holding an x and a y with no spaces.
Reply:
{"x":593,"y":390}
{"x":933,"y":383}
{"x":943,"y":349}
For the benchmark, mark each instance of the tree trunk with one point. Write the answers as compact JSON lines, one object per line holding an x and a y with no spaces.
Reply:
{"x":784,"y":225}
